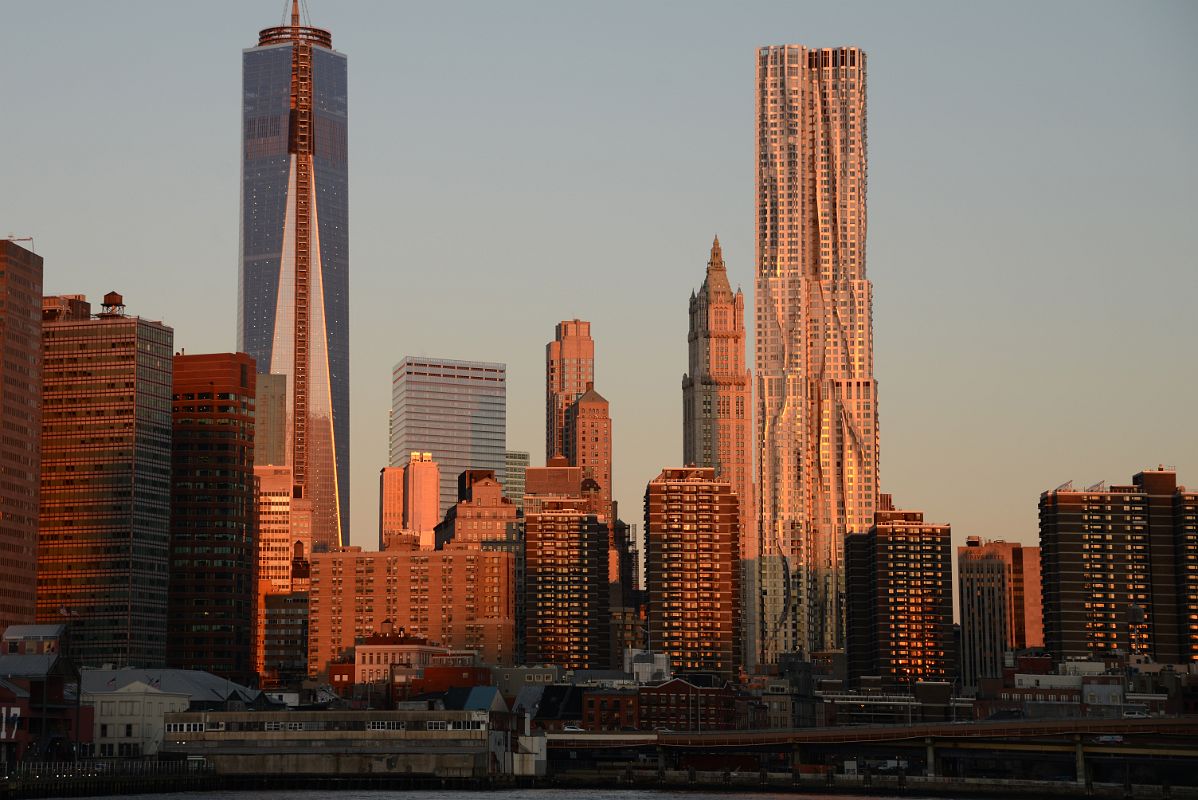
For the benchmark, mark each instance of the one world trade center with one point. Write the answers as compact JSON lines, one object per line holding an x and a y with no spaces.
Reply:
{"x":293,"y":309}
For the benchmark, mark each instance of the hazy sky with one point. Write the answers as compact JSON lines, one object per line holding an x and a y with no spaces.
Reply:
{"x":1033,"y":209}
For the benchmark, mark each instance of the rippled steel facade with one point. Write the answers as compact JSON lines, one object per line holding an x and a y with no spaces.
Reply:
{"x":817,"y":398}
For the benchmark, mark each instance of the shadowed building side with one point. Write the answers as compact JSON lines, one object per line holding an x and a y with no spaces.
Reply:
{"x":717,"y":420}
{"x":214,"y":541}
{"x":20,"y":419}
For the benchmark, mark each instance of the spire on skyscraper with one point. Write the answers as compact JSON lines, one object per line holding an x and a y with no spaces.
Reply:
{"x":294,"y":271}
{"x":717,"y":273}
{"x":717,"y":255}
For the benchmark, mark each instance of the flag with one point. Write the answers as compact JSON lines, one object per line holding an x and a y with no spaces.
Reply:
{"x":112,"y":682}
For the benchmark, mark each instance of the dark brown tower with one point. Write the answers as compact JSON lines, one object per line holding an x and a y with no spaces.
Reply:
{"x":20,"y":419}
{"x":210,"y":620}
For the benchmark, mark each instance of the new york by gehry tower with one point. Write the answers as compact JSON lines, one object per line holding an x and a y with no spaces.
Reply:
{"x":817,"y":399}
{"x":293,"y":309}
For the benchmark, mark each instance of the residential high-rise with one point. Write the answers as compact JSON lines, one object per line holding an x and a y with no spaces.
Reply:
{"x":566,"y":571}
{"x":455,"y":410}
{"x":283,"y":535}
{"x":293,"y":299}
{"x":485,"y":519}
{"x":285,"y":640}
{"x":284,"y":547}
{"x":106,"y":481}
{"x":999,"y":596}
{"x":422,"y":497}
{"x":569,"y":367}
{"x":482,"y":513}
{"x":588,"y":442}
{"x":692,"y":570}
{"x":391,"y":505}
{"x":817,"y":414}
{"x":20,"y":419}
{"x":899,"y":605}
{"x":717,"y":418}
{"x":213,"y":591}
{"x":1119,"y":569}
{"x":517,"y":461}
{"x":460,"y":597}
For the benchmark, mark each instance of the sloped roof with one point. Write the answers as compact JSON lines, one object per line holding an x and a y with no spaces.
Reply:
{"x":482,"y":698}
{"x":16,"y":632}
{"x":136,"y":687}
{"x":32,"y":665}
{"x":591,"y":396}
{"x":201,"y":687}
{"x":528,"y":699}
{"x":16,"y":691}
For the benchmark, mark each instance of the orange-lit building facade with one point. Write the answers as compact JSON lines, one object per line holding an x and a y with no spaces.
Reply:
{"x":1119,"y":569}
{"x":569,"y":367}
{"x":20,"y":419}
{"x":900,"y":601}
{"x":717,"y":417}
{"x":106,"y":481}
{"x":458,"y":597}
{"x":211,"y":610}
{"x":284,"y":544}
{"x":817,"y":415}
{"x":588,"y":441}
{"x":566,"y":582}
{"x":391,"y":485}
{"x":283,"y":536}
{"x":422,"y":496}
{"x":483,"y":514}
{"x":998,"y":589}
{"x":692,"y":570}
{"x":556,"y":479}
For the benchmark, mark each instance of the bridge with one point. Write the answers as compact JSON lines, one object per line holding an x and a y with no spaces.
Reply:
{"x":1057,"y":747}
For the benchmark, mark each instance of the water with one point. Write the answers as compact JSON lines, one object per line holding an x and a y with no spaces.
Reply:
{"x":506,"y":794}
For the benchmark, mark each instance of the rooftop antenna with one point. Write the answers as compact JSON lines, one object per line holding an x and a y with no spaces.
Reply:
{"x":12,"y":237}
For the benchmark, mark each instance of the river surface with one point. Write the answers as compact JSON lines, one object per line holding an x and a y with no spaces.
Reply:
{"x":516,"y":794}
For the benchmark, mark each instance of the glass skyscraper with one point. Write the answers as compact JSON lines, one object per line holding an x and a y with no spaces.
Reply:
{"x":456,"y":410}
{"x":293,"y":309}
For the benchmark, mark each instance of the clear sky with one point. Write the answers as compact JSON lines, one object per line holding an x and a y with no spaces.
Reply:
{"x":1033,"y":209}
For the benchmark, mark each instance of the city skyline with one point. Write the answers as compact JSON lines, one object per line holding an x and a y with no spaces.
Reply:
{"x":1008,"y":414}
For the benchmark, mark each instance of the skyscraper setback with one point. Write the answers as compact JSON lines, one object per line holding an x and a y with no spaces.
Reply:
{"x":717,"y":417}
{"x":569,"y":368}
{"x":293,"y":310}
{"x":817,"y":397}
